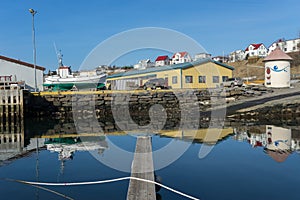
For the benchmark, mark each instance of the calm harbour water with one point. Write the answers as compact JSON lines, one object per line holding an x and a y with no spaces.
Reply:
{"x":248,"y":162}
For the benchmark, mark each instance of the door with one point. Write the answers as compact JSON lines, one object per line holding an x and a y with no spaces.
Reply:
{"x":166,"y":82}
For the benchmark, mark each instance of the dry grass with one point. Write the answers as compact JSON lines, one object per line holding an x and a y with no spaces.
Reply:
{"x":244,"y":69}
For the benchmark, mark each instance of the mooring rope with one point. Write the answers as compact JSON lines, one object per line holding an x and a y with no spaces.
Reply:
{"x":40,"y":187}
{"x":107,"y":181}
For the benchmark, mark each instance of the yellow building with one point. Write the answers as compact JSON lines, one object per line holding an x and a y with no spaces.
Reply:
{"x":204,"y":73}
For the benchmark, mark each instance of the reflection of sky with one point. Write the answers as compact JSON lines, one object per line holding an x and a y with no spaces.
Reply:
{"x":233,"y":170}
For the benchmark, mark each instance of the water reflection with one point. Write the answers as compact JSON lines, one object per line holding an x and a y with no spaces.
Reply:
{"x":11,"y":140}
{"x":67,"y":146}
{"x":208,"y":136}
{"x":61,"y":137}
{"x":59,"y":144}
{"x":278,"y":142}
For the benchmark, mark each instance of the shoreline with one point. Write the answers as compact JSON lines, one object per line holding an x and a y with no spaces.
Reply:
{"x":288,"y":99}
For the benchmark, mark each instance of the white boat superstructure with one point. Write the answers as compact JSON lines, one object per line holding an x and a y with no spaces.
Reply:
{"x":66,"y":80}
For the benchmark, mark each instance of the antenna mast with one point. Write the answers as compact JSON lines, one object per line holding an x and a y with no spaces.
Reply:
{"x":59,"y":56}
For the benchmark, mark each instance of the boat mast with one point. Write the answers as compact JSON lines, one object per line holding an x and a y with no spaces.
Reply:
{"x":59,"y":57}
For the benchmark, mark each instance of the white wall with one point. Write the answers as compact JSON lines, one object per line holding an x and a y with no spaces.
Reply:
{"x":286,"y":46}
{"x":291,"y":46}
{"x":277,"y":74}
{"x":280,"y":137}
{"x":22,"y":73}
{"x":261,"y":51}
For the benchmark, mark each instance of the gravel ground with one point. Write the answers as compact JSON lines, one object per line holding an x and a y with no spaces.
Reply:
{"x":278,"y":96}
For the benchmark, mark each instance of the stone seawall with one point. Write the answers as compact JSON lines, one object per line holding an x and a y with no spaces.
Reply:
{"x":122,"y":110}
{"x":156,"y":109}
{"x":287,"y":112}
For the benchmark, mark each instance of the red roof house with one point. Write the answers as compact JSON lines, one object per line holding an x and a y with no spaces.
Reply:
{"x":256,"y":50}
{"x":162,"y":60}
{"x":181,"y":57}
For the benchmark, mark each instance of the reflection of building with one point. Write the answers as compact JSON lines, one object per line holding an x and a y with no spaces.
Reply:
{"x":278,"y":142}
{"x":278,"y":138}
{"x":11,"y":135}
{"x":208,"y":136}
{"x":11,"y":145}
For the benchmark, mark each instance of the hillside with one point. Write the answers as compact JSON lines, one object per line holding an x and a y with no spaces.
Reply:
{"x":255,"y":67}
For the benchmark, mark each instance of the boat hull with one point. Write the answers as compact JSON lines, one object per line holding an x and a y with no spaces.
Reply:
{"x":63,"y":84}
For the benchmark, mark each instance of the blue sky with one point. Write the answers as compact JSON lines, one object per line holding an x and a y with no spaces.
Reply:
{"x":77,"y":27}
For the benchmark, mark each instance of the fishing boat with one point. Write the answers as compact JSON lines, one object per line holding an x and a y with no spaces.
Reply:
{"x":66,"y":80}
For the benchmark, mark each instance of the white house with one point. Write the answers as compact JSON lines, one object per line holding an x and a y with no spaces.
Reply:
{"x":287,"y":46}
{"x":237,"y":55}
{"x":256,"y":50}
{"x":143,"y":64}
{"x":202,"y":56}
{"x":221,"y":59}
{"x":22,"y":71}
{"x":181,"y":57}
{"x":162,"y":60}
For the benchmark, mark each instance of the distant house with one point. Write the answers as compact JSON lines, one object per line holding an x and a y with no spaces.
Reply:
{"x":256,"y":50}
{"x":143,"y":64}
{"x":202,"y":56}
{"x":237,"y":55}
{"x":287,"y":46}
{"x":162,"y":60}
{"x":221,"y":59}
{"x":19,"y":71}
{"x":181,"y":57}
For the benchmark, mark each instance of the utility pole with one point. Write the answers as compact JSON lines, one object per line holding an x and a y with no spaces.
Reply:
{"x":33,"y":12}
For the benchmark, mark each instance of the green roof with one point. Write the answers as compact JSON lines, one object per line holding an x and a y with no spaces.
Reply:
{"x":169,"y":67}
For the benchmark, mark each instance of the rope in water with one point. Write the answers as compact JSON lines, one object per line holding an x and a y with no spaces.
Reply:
{"x":108,"y":181}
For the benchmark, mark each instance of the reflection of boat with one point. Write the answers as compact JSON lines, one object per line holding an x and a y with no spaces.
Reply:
{"x":66,"y":147}
{"x":65,"y":80}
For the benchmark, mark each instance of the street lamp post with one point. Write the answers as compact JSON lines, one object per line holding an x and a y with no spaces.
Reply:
{"x":33,"y":12}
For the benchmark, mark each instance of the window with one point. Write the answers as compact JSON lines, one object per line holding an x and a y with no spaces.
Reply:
{"x":174,"y":79}
{"x":224,"y":78}
{"x":188,"y":79}
{"x":202,"y":79}
{"x":215,"y":79}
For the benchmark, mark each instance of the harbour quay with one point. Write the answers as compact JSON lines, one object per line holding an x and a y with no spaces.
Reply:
{"x":108,"y":104}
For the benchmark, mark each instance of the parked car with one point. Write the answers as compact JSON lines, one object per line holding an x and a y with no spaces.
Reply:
{"x":155,"y":83}
{"x":231,"y":82}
